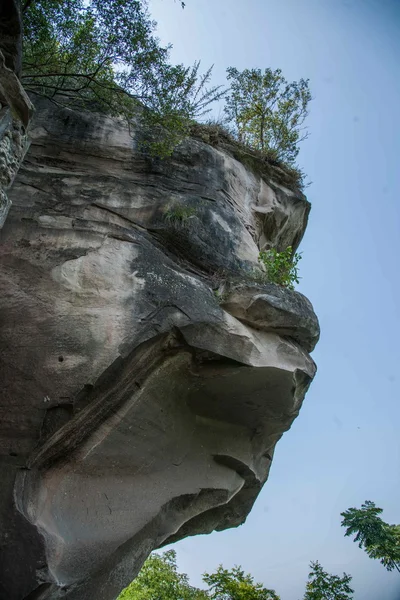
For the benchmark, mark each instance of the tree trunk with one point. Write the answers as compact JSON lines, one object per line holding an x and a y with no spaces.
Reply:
{"x":262,"y":126}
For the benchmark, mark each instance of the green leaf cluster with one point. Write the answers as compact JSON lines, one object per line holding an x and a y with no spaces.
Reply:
{"x":323,"y":586}
{"x":281,"y":267}
{"x":379,"y":539}
{"x":267,"y":112}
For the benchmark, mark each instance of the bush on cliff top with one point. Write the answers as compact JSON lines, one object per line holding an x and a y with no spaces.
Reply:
{"x":267,"y":112}
{"x":103,"y":56}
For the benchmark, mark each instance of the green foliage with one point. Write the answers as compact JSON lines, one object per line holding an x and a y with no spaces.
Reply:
{"x":160,"y":580}
{"x":179,"y":214}
{"x":103,"y":56}
{"x":323,"y":586}
{"x":177,"y":96}
{"x":266,"y":112}
{"x":379,"y":539}
{"x":70,"y":50}
{"x":281,"y":267}
{"x":235,"y":584}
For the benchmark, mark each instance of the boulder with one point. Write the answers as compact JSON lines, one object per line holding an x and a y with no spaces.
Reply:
{"x":270,"y":307}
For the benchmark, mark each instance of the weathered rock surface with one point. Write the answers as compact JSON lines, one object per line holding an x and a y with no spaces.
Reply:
{"x":136,"y":408}
{"x":11,"y":34}
{"x":13,"y":145}
{"x":16,"y":108}
{"x":13,"y":94}
{"x":269,"y":307}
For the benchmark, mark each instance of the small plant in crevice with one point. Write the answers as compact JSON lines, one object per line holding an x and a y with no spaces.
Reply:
{"x":221,"y":296}
{"x":179,"y":215}
{"x":281,"y":267}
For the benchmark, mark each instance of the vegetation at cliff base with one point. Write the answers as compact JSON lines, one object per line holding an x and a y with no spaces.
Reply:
{"x":235,"y":584}
{"x":159,"y":579}
{"x":324,"y":586}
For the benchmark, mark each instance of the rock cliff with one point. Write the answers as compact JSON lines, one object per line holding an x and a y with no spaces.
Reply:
{"x":15,"y":107}
{"x":146,"y":376}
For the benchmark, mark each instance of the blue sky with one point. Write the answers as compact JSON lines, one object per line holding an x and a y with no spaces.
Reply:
{"x":344,"y":447}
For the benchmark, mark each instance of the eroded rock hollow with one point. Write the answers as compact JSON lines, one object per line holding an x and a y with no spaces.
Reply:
{"x":146,"y":377}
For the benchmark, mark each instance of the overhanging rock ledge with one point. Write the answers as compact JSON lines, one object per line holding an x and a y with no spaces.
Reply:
{"x":138,"y":406}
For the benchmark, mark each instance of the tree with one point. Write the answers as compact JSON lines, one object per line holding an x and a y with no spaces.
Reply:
{"x":102,"y":55}
{"x":267,"y":113}
{"x":379,"y":539}
{"x":235,"y":584}
{"x":159,"y":580}
{"x":323,"y":586}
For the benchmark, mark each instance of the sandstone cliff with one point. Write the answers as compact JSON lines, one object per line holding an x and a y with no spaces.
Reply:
{"x":146,"y":378}
{"x":15,"y":107}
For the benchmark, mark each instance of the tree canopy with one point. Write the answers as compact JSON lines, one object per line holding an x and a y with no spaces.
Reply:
{"x":267,"y":113}
{"x":103,"y":56}
{"x":379,"y":539}
{"x":323,"y":586}
{"x":159,"y":580}
{"x":235,"y":584}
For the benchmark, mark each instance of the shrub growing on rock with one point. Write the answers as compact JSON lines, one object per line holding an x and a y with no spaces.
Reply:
{"x":281,"y":267}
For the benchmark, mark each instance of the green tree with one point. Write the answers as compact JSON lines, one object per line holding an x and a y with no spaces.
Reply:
{"x":235,"y":584}
{"x":266,"y":112}
{"x":102,"y":55}
{"x":379,"y":539}
{"x":323,"y":586}
{"x":160,"y":580}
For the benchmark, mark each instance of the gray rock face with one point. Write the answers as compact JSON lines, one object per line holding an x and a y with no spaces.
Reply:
{"x":269,"y":307}
{"x":136,"y":407}
{"x":11,"y":34}
{"x":13,"y":94}
{"x":15,"y":107}
{"x":13,"y":145}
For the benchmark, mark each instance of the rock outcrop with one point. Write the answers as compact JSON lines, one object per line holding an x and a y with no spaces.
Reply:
{"x":16,"y":108}
{"x":13,"y":145}
{"x":139,"y":405}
